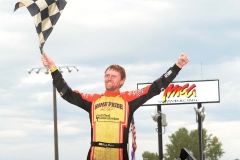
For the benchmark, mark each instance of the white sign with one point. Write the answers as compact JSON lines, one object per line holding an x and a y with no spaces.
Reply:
{"x":205,"y":91}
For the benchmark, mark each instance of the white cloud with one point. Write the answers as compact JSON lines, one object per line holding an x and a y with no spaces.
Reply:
{"x":107,"y":14}
{"x":8,"y":134}
{"x":69,"y":127}
{"x":35,"y":79}
{"x":12,"y":38}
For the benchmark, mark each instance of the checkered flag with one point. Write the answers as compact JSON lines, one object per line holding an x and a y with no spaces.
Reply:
{"x":45,"y":14}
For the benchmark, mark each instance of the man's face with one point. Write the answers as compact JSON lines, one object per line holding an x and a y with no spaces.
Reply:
{"x":113,"y":81}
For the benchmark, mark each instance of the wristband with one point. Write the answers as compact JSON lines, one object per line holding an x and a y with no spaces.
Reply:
{"x":53,"y":69}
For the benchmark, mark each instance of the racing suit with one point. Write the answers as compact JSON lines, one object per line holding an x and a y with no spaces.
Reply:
{"x":110,"y":113}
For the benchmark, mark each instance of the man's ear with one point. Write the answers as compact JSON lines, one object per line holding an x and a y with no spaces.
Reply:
{"x":122,"y":82}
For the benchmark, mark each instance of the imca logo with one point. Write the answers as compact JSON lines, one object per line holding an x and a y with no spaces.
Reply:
{"x":177,"y":91}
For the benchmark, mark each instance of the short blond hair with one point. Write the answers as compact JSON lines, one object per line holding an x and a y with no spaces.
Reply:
{"x":119,"y":69}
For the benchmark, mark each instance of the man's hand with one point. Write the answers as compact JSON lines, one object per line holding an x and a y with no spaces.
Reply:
{"x":48,"y":62}
{"x":182,"y":60}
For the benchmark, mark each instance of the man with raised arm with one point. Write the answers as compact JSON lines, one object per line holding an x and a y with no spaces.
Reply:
{"x":111,"y":112}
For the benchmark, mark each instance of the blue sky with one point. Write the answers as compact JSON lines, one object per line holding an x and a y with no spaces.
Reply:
{"x":144,"y":36}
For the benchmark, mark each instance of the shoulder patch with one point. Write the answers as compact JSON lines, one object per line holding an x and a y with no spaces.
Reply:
{"x":130,"y":95}
{"x":88,"y":97}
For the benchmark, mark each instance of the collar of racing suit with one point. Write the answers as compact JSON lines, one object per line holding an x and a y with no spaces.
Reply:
{"x":107,"y":93}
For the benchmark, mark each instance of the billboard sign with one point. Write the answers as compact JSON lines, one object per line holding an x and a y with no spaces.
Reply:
{"x":185,"y":92}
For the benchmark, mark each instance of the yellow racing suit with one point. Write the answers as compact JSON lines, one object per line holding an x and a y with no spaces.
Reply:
{"x":110,"y":113}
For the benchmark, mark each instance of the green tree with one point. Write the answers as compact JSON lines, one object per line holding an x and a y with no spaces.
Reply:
{"x":212,"y":147}
{"x":149,"y":155}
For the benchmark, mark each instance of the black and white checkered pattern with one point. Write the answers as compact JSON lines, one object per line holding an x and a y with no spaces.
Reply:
{"x":45,"y":14}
